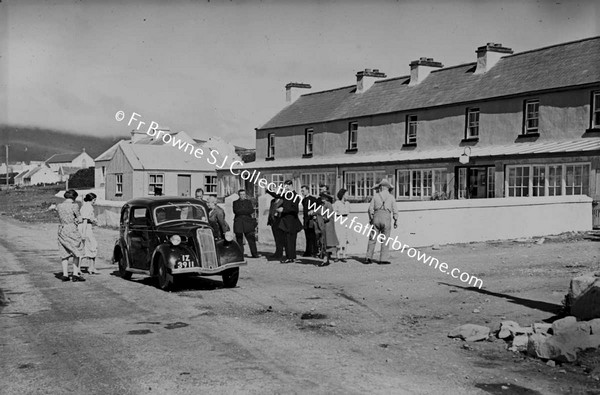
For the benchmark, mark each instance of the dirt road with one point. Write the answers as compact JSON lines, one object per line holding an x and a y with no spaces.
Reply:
{"x":370,"y":329}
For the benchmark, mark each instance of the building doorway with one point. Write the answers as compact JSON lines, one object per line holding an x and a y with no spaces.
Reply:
{"x":476,"y":182}
{"x":184,"y":185}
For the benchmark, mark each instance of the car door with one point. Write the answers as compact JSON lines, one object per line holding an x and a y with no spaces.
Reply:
{"x":138,"y":238}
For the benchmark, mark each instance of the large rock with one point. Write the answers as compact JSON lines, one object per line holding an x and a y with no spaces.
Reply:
{"x":542,"y":328}
{"x":470,"y":332}
{"x":507,"y":329}
{"x":564,"y":325}
{"x":583,"y":299}
{"x":563,"y":347}
{"x":510,"y":329}
{"x":595,"y":326}
{"x":520,"y":343}
{"x":536,"y":346}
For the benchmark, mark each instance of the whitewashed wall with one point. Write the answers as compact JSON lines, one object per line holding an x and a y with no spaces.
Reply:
{"x":425,"y":223}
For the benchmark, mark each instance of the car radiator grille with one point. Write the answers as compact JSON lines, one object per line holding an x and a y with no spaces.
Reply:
{"x":208,"y":251}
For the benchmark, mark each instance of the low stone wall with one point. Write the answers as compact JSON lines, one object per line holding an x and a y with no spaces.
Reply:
{"x":108,"y":213}
{"x":424,"y":223}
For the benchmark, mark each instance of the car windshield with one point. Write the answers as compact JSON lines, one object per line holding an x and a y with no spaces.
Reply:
{"x":179,"y":212}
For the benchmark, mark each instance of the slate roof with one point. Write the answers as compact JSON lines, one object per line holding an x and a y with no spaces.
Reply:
{"x":63,"y":158}
{"x":569,"y":64}
{"x":449,"y":153}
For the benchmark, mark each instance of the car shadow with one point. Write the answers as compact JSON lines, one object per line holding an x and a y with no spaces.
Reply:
{"x":185,"y":283}
{"x":552,"y":308}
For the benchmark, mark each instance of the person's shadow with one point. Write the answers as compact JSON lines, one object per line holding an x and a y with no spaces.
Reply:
{"x":552,"y":308}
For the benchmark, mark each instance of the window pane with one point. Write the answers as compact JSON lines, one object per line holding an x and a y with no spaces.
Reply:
{"x":416,"y":183}
{"x":539,"y":179}
{"x":403,"y":183}
{"x":491,"y":182}
{"x":427,"y":182}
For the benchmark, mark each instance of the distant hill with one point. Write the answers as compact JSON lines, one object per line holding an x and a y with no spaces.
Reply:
{"x":28,"y":143}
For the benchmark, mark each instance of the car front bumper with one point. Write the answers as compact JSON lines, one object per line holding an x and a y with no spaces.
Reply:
{"x":207,"y":272}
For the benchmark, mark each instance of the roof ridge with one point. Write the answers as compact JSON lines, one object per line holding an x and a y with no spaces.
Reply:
{"x":552,"y":46}
{"x":392,"y":79}
{"x":455,"y":66}
{"x":329,"y":90}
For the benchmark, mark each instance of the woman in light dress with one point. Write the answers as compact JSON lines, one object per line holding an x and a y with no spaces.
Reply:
{"x":70,"y":242}
{"x":342,"y":208}
{"x":90,"y":245}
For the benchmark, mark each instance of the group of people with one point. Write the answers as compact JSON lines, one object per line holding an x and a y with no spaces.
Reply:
{"x":75,"y":235}
{"x":326,"y":238}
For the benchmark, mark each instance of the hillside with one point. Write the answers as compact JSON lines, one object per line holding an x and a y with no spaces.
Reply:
{"x":28,"y":143}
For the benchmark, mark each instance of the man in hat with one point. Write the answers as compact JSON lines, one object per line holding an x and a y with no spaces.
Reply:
{"x":244,"y":224}
{"x":308,"y":202}
{"x":381,"y":207}
{"x":289,"y":223}
{"x":273,"y":222}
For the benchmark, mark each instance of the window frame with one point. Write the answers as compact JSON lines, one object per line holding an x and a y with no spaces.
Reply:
{"x":468,"y":123}
{"x":210,"y":188}
{"x":595,"y":110}
{"x":411,"y":124}
{"x":526,"y":117}
{"x":271,"y":146}
{"x":422,"y":189}
{"x":118,"y":184}
{"x":352,"y":132}
{"x":309,"y":134}
{"x":314,"y":179}
{"x":366,"y":184}
{"x":162,"y":183}
{"x":563,"y":188}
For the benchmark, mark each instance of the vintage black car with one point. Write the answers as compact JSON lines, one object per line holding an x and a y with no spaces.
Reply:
{"x":168,"y":237}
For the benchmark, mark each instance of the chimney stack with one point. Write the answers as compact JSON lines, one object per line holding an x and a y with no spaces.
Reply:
{"x":365,"y":79}
{"x":137,"y":136}
{"x":489,"y":55}
{"x":292,"y":91}
{"x":420,"y":69}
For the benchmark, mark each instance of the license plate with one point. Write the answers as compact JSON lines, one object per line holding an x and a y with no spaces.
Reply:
{"x":184,"y":262}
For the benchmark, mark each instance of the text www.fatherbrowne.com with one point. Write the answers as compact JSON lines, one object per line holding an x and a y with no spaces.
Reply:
{"x":367,"y":230}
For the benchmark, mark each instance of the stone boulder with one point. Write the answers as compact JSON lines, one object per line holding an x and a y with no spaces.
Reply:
{"x":509,"y":329}
{"x":583,"y":299}
{"x":470,"y":332}
{"x":542,"y":328}
{"x":562,"y":347}
{"x":520,"y":343}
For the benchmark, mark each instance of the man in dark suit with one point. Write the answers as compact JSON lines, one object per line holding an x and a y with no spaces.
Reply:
{"x":244,"y":224}
{"x":289,"y":223}
{"x":309,"y":221}
{"x":273,"y":222}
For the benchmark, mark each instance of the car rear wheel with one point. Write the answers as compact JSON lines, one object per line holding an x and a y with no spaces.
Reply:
{"x":165,"y":282}
{"x":123,"y":267}
{"x":230,"y":277}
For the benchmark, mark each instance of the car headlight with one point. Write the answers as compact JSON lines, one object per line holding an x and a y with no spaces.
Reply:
{"x":175,"y":240}
{"x":229,"y":236}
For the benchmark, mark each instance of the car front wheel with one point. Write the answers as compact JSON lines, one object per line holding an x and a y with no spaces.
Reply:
{"x":165,"y":282}
{"x":230,"y":277}
{"x":123,"y":267}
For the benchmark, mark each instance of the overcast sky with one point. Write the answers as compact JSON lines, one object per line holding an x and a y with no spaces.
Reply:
{"x":219,"y":68}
